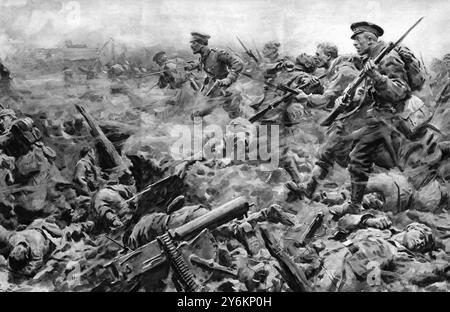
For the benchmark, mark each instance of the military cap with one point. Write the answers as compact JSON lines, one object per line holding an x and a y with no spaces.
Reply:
{"x":200,"y":37}
{"x":158,"y":56}
{"x":360,"y":27}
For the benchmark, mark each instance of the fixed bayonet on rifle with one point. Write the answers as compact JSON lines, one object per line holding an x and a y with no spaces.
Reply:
{"x":149,"y":258}
{"x":249,"y":52}
{"x":349,"y":92}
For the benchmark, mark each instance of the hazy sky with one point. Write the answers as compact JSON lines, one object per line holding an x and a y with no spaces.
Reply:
{"x":299,"y":25}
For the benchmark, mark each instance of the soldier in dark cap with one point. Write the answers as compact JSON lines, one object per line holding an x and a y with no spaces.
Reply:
{"x":221,"y":66}
{"x":382,"y":94}
{"x":218,"y":64}
{"x":366,"y":136}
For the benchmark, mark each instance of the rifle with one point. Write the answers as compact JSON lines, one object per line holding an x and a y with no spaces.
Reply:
{"x":149,"y":188}
{"x":158,"y":72}
{"x":247,"y":51}
{"x":293,"y":275}
{"x":112,"y":157}
{"x":271,"y":106}
{"x":349,"y":92}
{"x":147,"y":259}
{"x":311,"y":229}
{"x":277,"y":101}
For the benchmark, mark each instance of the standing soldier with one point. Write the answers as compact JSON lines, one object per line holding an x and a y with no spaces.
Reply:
{"x":222,"y":69}
{"x":370,"y":131}
{"x":383,"y":94}
{"x":339,"y":72}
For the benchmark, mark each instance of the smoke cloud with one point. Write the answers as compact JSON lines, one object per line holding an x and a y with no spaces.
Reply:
{"x":297,"y":24}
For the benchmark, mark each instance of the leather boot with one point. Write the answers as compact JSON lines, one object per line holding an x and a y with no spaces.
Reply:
{"x":307,"y":189}
{"x":354,"y":206}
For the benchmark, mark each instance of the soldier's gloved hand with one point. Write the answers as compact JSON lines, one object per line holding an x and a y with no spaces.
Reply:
{"x":340,"y":102}
{"x":380,"y":223}
{"x":180,"y":170}
{"x":312,"y":80}
{"x":302,"y":96}
{"x":113,"y":220}
{"x":373,"y":201}
{"x":372,"y":70}
{"x":288,"y":64}
{"x":224,"y":82}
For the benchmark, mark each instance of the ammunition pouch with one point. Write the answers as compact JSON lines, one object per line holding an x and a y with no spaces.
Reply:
{"x":415,"y":116}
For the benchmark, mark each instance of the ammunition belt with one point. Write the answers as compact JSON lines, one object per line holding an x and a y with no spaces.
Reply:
{"x":178,"y":263}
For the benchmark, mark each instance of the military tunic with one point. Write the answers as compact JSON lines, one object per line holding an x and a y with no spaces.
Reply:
{"x":220,"y":64}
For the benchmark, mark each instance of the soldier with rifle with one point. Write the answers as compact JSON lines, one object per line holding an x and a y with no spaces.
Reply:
{"x":222,"y":69}
{"x":373,"y":102}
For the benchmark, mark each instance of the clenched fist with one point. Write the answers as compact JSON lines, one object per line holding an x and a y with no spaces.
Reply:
{"x":372,"y":70}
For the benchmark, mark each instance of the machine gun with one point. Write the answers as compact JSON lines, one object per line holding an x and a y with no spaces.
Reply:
{"x":132,"y":267}
{"x":349,"y":92}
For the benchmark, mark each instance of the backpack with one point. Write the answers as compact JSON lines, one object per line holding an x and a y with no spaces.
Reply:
{"x":414,"y":68}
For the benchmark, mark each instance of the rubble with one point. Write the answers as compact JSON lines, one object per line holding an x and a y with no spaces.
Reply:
{"x":92,"y":184}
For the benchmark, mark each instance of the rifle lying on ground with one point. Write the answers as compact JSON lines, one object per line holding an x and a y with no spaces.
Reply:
{"x":111,"y":156}
{"x":130,"y":268}
{"x":311,"y":229}
{"x":291,"y":273}
{"x":247,"y":51}
{"x":150,"y":187}
{"x":349,"y":92}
